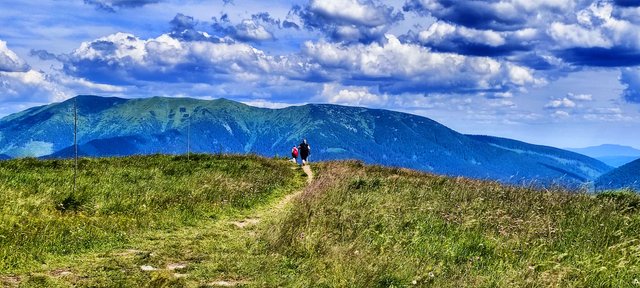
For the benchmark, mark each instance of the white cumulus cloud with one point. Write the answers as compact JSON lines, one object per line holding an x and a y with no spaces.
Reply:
{"x":250,"y":30}
{"x":352,"y":96}
{"x":560,"y":103}
{"x":417,"y":67}
{"x":123,"y":57}
{"x":574,"y":35}
{"x":596,"y":26}
{"x":9,"y":61}
{"x":20,"y":84}
{"x":352,"y":11}
{"x":441,"y":31}
{"x":580,"y":97}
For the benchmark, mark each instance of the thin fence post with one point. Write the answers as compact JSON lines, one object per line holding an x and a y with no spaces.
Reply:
{"x":189,"y":137}
{"x":75,"y":143}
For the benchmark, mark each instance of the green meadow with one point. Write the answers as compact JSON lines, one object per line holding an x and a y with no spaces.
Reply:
{"x":249,"y":221}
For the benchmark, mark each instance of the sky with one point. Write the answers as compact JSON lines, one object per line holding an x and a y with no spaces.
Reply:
{"x":564,"y":73}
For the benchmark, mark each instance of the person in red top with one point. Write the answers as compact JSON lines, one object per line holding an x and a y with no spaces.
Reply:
{"x":294,"y":155}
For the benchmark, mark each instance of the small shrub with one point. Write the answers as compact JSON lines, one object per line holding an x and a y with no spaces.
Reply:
{"x":162,"y":279}
{"x":70,"y":203}
{"x":385,"y":281}
{"x":359,"y":184}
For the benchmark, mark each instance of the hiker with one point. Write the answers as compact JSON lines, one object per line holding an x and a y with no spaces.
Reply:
{"x":294,"y":154}
{"x":305,"y":151}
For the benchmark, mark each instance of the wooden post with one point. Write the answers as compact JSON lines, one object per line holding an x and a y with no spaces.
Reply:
{"x":189,"y":137}
{"x":75,"y":142}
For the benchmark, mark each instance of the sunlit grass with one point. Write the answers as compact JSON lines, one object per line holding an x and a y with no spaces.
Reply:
{"x":371,"y":226}
{"x":117,"y":198}
{"x":134,"y":219}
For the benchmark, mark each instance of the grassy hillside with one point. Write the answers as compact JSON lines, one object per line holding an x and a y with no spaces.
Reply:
{"x":371,"y":226}
{"x":118,"y":200}
{"x":163,"y":221}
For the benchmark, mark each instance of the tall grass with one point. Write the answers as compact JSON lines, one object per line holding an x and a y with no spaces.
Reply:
{"x":363,"y":226}
{"x":353,"y":226}
{"x":41,"y":217}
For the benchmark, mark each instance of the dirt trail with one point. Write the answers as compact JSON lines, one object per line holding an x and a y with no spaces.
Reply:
{"x":255,"y":220}
{"x":307,"y":170}
{"x":287,"y":199}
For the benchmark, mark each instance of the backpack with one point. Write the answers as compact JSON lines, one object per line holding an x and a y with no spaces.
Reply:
{"x":294,"y":152}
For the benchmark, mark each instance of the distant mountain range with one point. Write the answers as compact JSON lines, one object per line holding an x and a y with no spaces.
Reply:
{"x":118,"y":127}
{"x":626,"y":176}
{"x":617,"y":161}
{"x":4,"y":157}
{"x":612,"y":155}
{"x":576,"y":166}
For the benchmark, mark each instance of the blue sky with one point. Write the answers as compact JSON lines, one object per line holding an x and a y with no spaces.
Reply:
{"x":557,"y":72}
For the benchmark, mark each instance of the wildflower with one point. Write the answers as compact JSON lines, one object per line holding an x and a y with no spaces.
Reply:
{"x":636,"y":282}
{"x":431,"y":275}
{"x":414,"y":282}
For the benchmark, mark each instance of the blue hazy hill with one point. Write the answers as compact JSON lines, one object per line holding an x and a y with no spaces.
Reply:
{"x":607,"y":150}
{"x":572,"y":164}
{"x":612,"y":155}
{"x":625,"y":176}
{"x":4,"y":157}
{"x":125,"y":145}
{"x":617,"y":161}
{"x":118,"y":127}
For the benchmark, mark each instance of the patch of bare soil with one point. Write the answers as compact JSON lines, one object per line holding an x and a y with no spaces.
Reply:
{"x":246,"y":222}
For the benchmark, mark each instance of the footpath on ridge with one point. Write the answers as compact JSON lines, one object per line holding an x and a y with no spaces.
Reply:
{"x":267,"y":212}
{"x":279,"y":206}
